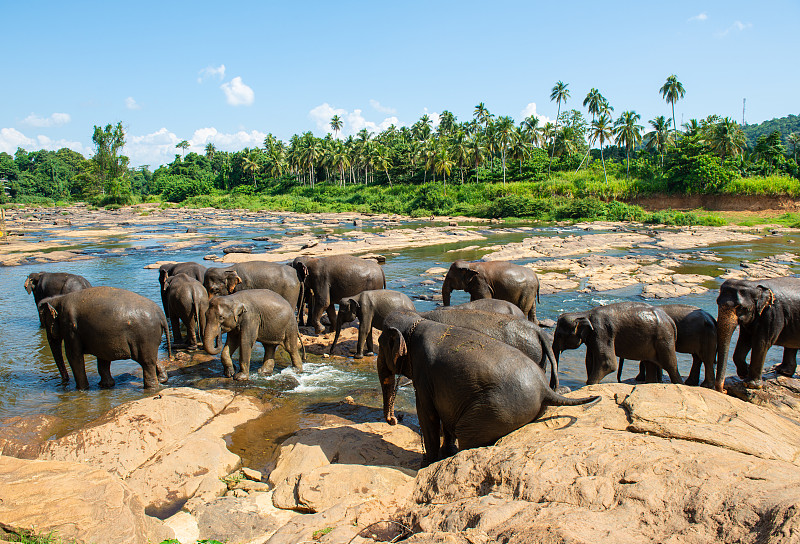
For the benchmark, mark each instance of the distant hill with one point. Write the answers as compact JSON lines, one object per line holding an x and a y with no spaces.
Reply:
{"x":785,"y":125}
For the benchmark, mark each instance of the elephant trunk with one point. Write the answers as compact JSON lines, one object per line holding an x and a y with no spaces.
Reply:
{"x":388,"y":388}
{"x":726,"y":324}
{"x":447,"y":286}
{"x":210,"y":335}
{"x":339,"y":323}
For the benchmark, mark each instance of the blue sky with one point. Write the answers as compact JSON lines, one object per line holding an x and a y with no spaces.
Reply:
{"x":231,"y":73}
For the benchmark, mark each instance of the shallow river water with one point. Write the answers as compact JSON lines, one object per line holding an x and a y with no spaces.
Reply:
{"x":30,"y":384}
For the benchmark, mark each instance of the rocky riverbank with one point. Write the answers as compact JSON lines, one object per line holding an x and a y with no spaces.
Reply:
{"x":648,"y":463}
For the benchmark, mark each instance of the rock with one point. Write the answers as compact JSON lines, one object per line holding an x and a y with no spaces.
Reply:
{"x":452,"y":223}
{"x":309,"y":244}
{"x":191,"y":230}
{"x":237,"y":249}
{"x":233,"y":519}
{"x":156,"y":265}
{"x":261,"y":239}
{"x":210,"y":257}
{"x":328,"y":485}
{"x":184,"y":526}
{"x":381,"y":259}
{"x":252,"y":487}
{"x":427,"y":282}
{"x":357,"y":222}
{"x":251,"y":474}
{"x":436,"y":271}
{"x":163,"y":447}
{"x":79,"y":502}
{"x":547,"y":323}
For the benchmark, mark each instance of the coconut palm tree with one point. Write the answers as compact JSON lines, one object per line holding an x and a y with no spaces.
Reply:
{"x":595,"y":104}
{"x":559,"y":93}
{"x":629,"y":134}
{"x":183,"y":145}
{"x":658,"y":138}
{"x":251,"y":164}
{"x":481,"y":114}
{"x":601,"y":129}
{"x":477,"y":151}
{"x":520,"y":149}
{"x":442,"y":163}
{"x":210,"y":151}
{"x":336,"y":125}
{"x":459,"y":151}
{"x":672,"y":91}
{"x":530,"y":129}
{"x":794,"y":140}
{"x":505,"y":135}
{"x":727,"y":138}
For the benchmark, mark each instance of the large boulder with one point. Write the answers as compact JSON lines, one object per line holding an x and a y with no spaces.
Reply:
{"x":79,"y":502}
{"x":164,"y":447}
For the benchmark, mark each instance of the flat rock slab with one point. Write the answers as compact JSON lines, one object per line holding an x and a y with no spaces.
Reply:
{"x":79,"y":502}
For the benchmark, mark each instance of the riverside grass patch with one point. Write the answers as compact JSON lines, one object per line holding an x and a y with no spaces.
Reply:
{"x":545,"y":201}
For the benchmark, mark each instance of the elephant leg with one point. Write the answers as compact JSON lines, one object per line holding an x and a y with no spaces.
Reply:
{"x":77,"y":363}
{"x":641,"y":377}
{"x":176,"y":329}
{"x":760,"y":348}
{"x":191,"y":333}
{"x":320,"y":305}
{"x":269,"y":359}
{"x":694,"y":374}
{"x":58,"y":357}
{"x":104,"y":368}
{"x":789,"y":365}
{"x":448,"y":443}
{"x":231,"y":345}
{"x":430,"y":425}
{"x":668,"y":361}
{"x":651,"y":372}
{"x":245,"y":351}
{"x":161,"y":373}
{"x":370,"y":342}
{"x":743,"y":347}
{"x":292,"y":345}
{"x":364,"y":328}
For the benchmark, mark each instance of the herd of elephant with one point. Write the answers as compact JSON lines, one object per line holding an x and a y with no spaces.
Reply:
{"x":479,"y":369}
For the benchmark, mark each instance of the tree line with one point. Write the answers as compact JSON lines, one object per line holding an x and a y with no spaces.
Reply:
{"x":699,"y":156}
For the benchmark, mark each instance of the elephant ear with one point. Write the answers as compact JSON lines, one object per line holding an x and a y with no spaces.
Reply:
{"x":394,"y":344}
{"x":583,"y":328}
{"x":354,"y":306}
{"x":302,"y":270}
{"x":232,"y":279}
{"x":53,"y":311}
{"x":239,"y":310}
{"x":29,"y":285}
{"x":764,"y":299}
{"x":166,"y":282}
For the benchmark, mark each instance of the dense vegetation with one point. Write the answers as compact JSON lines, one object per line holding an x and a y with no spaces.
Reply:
{"x":485,"y":166}
{"x":785,"y":125}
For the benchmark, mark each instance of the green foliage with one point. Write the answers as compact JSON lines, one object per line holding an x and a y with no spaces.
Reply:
{"x":784,"y":125}
{"x":179,"y":188}
{"x":30,"y":537}
{"x":693,"y":170}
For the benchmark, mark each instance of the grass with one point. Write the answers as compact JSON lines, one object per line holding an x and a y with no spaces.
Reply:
{"x":30,"y":537}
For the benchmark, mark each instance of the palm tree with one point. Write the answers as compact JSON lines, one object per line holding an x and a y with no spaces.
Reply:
{"x":481,"y":114}
{"x":520,"y":149}
{"x":447,"y":122}
{"x":183,"y":145}
{"x":459,"y":150}
{"x":251,"y":164}
{"x":595,"y":104}
{"x":559,"y":93}
{"x":601,"y":130}
{"x":477,"y":152}
{"x":442,"y":163}
{"x":383,"y":161}
{"x":505,"y":133}
{"x":530,"y":128}
{"x":336,"y":125}
{"x":672,"y":91}
{"x":659,"y":137}
{"x":794,"y":140}
{"x":210,"y":151}
{"x":628,"y":133}
{"x":727,"y":138}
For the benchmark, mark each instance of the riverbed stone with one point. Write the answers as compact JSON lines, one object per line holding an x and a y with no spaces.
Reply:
{"x":77,"y":501}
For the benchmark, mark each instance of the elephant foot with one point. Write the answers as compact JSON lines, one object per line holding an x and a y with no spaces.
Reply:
{"x":391,"y":420}
{"x":787,"y":370}
{"x":639,"y":378}
{"x":266,"y":369}
{"x":228,"y":373}
{"x":241,"y":377}
{"x":563,"y":390}
{"x":449,"y":450}
{"x":742,"y":371}
{"x":369,"y":353}
{"x":706,"y":384}
{"x":192,"y":347}
{"x":358,"y":356}
{"x":106,"y":384}
{"x":150,"y":385}
{"x":691,"y":380}
{"x":754,"y":384}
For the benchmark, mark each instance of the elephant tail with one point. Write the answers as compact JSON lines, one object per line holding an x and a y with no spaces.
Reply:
{"x":165,"y":328}
{"x":302,"y":345}
{"x":619,"y":370}
{"x":551,"y":398}
{"x":548,"y":351}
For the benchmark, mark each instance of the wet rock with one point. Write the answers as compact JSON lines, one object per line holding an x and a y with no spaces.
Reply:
{"x":237,"y":249}
{"x":191,"y":230}
{"x":251,"y":474}
{"x":261,"y":239}
{"x":210,"y":257}
{"x":75,"y":500}
{"x":436,"y":271}
{"x":381,"y":259}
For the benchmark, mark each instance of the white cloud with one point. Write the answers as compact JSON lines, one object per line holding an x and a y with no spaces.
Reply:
{"x":131,"y":104}
{"x":55,"y":119}
{"x":737,"y":26}
{"x":699,"y":17}
{"x":237,"y":93}
{"x":530,"y":109}
{"x":211,"y":71}
{"x":353,"y":121}
{"x":434,"y":117}
{"x":11,"y":139}
{"x":158,"y":147}
{"x":381,"y":108}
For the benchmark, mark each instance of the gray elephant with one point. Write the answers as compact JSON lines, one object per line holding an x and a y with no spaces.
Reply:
{"x":370,"y":308}
{"x":494,"y":279}
{"x":696,"y":334}
{"x":187,"y":301}
{"x":328,"y":280}
{"x":193,"y":270}
{"x":109,"y":323}
{"x":631,"y":330}
{"x":279,"y":278}
{"x":527,"y":337}
{"x":469,"y":387}
{"x":489,"y":305}
{"x":767,"y":313}
{"x":49,"y":284}
{"x":250,"y":316}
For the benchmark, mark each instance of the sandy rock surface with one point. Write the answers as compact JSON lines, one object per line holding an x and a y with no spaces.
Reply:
{"x":76,"y":500}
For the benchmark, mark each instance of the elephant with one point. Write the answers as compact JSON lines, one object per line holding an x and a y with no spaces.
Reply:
{"x":48,"y":284}
{"x":494,"y":279}
{"x":489,"y":305}
{"x":187,"y":301}
{"x":371,"y":308}
{"x":697,"y":334}
{"x":279,"y":278}
{"x":767,"y":313}
{"x":193,"y":270}
{"x":527,"y":337}
{"x":631,"y":330}
{"x":469,"y":387}
{"x":328,"y":280}
{"x":109,"y":323}
{"x":250,"y":316}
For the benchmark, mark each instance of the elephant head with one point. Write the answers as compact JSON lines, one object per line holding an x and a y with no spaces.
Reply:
{"x":574,"y":329}
{"x":32,"y":281}
{"x":392,"y":358}
{"x":349,"y":310}
{"x":459,"y":277}
{"x":300,"y":265}
{"x":740,"y":302}
{"x":220,"y":281}
{"x":223,"y":315}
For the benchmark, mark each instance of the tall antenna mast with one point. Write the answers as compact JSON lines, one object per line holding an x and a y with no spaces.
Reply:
{"x":744,"y":101}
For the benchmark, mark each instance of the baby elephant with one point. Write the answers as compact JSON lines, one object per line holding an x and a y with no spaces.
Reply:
{"x":187,"y":301}
{"x":50,"y":284}
{"x":250,"y":316}
{"x":371,"y":308}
